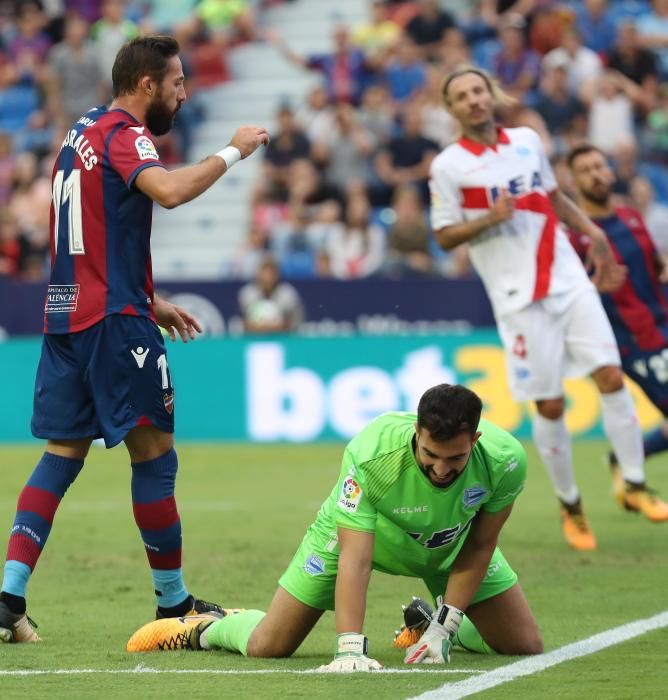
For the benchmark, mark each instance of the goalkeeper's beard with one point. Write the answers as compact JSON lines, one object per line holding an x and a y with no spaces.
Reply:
{"x":429,"y":472}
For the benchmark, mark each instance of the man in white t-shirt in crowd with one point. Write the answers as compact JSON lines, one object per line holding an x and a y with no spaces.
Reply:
{"x":269,"y":305}
{"x":495,"y":190}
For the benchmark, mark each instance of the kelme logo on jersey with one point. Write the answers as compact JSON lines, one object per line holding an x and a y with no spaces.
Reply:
{"x":146,"y":149}
{"x":350,"y":495}
{"x":473,"y":496}
{"x":314,"y":565}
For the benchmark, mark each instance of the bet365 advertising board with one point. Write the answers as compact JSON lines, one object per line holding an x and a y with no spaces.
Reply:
{"x":303,"y":389}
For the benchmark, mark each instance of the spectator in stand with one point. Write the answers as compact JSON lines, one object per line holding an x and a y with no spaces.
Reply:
{"x":406,"y":73}
{"x":376,"y":36}
{"x":345,"y":68}
{"x":343,"y":154}
{"x":453,"y":51}
{"x":269,"y":305}
{"x":610,"y":101}
{"x":643,"y":198}
{"x":7,"y":163}
{"x":31,"y":44}
{"x":377,"y":112}
{"x":229,"y":20}
{"x":653,"y":28}
{"x":427,"y":27}
{"x":175,"y":17}
{"x":75,"y":75}
{"x":21,"y":254}
{"x":637,"y":63}
{"x":516,"y":66}
{"x":356,"y":248}
{"x":30,"y":200}
{"x":247,"y":258}
{"x":655,"y":136}
{"x":109,"y":33}
{"x":404,"y":160}
{"x":437,"y":124}
{"x":316,"y":116}
{"x":408,"y":250}
{"x":596,"y":26}
{"x":583,"y":65}
{"x":307,"y":187}
{"x":10,"y":245}
{"x":625,"y":166}
{"x":89,"y":10}
{"x":288,"y":144}
{"x":556,"y":104}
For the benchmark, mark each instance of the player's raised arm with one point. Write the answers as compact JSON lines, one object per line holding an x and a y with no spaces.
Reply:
{"x":170,"y":188}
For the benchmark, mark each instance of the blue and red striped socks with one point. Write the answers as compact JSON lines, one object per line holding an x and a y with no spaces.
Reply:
{"x":158,"y":520}
{"x":36,"y":509}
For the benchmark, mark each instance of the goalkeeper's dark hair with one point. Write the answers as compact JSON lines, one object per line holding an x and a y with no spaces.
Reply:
{"x":145,"y":55}
{"x":448,"y":410}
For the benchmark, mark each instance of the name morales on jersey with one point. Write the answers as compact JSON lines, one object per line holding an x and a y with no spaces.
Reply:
{"x":83,"y":148}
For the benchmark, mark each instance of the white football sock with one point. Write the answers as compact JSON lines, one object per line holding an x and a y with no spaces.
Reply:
{"x":553,"y":442}
{"x":620,"y":423}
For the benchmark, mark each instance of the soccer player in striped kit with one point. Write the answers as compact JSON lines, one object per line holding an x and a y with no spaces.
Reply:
{"x":103,"y":369}
{"x":638,"y":310}
{"x":495,"y":190}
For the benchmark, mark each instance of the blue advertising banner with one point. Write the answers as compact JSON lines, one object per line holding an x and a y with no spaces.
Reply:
{"x":305,"y":389}
{"x":372,"y":306}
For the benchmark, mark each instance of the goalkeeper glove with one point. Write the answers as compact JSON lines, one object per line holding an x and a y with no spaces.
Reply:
{"x":435,"y":644}
{"x":351,"y":655}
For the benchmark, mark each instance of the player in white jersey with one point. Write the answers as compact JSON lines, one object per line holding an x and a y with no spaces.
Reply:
{"x":495,"y":190}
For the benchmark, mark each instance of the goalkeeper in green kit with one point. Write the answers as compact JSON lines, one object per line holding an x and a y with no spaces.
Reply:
{"x":422,"y":495}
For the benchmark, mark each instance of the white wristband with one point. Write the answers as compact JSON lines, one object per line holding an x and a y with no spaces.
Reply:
{"x":351,"y":643}
{"x":230,"y":154}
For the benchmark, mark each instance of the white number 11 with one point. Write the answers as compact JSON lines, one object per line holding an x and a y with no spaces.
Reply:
{"x":63,"y":192}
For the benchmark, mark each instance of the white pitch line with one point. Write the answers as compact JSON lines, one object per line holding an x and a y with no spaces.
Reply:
{"x":535,"y":664}
{"x":216,"y":671}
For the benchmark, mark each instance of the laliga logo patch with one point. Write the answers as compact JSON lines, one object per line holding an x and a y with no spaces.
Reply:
{"x":350,"y":495}
{"x":168,"y":400}
{"x":473,"y":496}
{"x":146,"y":149}
{"x":314,"y":565}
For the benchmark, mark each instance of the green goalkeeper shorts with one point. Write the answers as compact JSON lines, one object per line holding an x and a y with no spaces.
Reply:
{"x":311,"y":575}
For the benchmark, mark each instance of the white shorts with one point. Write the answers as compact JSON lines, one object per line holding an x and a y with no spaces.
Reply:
{"x":554,"y":338}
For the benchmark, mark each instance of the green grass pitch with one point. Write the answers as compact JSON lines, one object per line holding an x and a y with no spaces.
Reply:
{"x":244,"y":509}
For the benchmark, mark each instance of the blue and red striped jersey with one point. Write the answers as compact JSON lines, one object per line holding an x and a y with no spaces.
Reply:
{"x":638,"y":311}
{"x":100,"y":223}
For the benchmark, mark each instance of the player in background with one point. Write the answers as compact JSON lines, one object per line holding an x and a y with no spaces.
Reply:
{"x":495,"y":190}
{"x":422,"y":495}
{"x":103,"y":370}
{"x":638,"y":310}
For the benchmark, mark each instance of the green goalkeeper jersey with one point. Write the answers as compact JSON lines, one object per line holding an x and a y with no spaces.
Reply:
{"x":419,"y":528}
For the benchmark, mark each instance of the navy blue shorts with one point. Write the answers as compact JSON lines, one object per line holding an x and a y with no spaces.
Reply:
{"x":103,"y":382}
{"x":649,"y":370}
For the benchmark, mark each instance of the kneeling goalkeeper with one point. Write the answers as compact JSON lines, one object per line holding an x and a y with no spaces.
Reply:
{"x":421,"y":495}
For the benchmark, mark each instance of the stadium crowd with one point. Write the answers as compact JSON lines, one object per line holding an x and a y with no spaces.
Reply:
{"x":343,"y":185}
